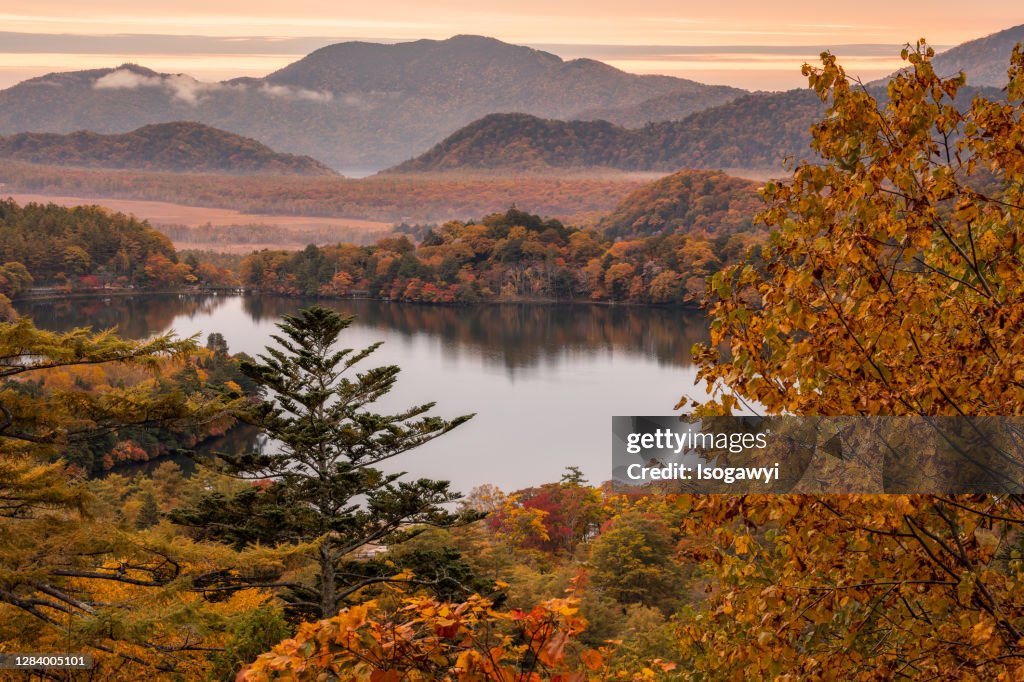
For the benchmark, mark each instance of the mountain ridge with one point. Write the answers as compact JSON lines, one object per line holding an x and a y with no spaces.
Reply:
{"x":985,"y":60}
{"x":754,"y":131}
{"x":179,"y":146}
{"x":347,"y":104}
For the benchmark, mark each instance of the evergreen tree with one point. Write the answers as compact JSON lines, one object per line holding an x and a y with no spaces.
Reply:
{"x":149,"y":513}
{"x":323,"y":489}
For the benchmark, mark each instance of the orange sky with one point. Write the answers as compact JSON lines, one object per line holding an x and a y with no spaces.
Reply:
{"x":806,"y":24}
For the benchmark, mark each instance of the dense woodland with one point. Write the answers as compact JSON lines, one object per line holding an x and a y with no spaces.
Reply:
{"x":178,"y":146}
{"x":57,"y":244}
{"x":686,"y":202}
{"x":506,"y":256}
{"x":889,"y":285}
{"x":89,"y":247}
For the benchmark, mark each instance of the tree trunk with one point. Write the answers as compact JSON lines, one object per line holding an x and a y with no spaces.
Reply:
{"x":328,"y":598}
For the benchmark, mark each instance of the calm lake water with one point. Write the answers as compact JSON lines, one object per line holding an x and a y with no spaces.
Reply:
{"x":543,"y":380}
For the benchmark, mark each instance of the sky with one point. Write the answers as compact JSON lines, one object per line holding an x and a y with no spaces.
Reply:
{"x":753,"y":44}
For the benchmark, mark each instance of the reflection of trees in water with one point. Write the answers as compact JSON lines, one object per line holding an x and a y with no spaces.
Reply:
{"x":523,"y":335}
{"x":513,"y":335}
{"x":240,"y":440}
{"x":135,"y":317}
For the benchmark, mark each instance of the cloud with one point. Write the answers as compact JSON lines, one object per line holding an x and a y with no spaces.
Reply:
{"x":289,"y":92}
{"x":187,"y":89}
{"x":179,"y":86}
{"x":126,"y":79}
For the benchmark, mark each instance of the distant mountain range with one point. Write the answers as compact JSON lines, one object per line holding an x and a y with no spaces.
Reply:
{"x":755,"y":131}
{"x":350,"y":104}
{"x":180,"y":146}
{"x":493,"y":105}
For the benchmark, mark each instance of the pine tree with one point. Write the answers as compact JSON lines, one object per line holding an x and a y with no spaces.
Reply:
{"x":322,"y":487}
{"x":149,"y":513}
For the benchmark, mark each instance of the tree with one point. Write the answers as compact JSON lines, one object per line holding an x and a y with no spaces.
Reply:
{"x":149,"y":512}
{"x":13,"y":278}
{"x":892,"y":285}
{"x":76,"y":260}
{"x":554,"y":517}
{"x":632,"y":562}
{"x":323,"y":490}
{"x":893,"y":282}
{"x":430,"y":640}
{"x":41,"y":422}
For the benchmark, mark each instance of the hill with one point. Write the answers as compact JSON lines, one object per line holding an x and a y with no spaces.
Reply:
{"x":690,"y":201}
{"x":350,"y":104}
{"x":59,"y":244}
{"x":664,"y":107}
{"x":181,"y":146}
{"x":756,"y":130}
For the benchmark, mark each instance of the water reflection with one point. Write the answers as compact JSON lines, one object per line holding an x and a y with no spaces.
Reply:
{"x":516,"y":335}
{"x":523,"y":335}
{"x":544,"y":380}
{"x":135,"y":316}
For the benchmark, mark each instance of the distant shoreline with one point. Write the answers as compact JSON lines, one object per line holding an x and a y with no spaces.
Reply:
{"x":241,"y":291}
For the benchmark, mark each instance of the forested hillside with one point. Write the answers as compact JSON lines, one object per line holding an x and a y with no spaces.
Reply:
{"x":510,"y":256}
{"x":180,"y":146}
{"x":705,"y":202}
{"x":54,"y":242}
{"x":983,"y":60}
{"x":84,"y":246}
{"x":753,"y":131}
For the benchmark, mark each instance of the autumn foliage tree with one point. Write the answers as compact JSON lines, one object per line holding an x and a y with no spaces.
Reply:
{"x":894,"y":281}
{"x":72,"y":579}
{"x":892,"y":284}
{"x":427,"y":640}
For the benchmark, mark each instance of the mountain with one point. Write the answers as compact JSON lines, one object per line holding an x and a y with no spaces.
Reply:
{"x":985,"y":60}
{"x":756,"y":131}
{"x":664,"y":107}
{"x":181,"y":146}
{"x":524,"y":142}
{"x":350,"y":104}
{"x":688,"y":201}
{"x":753,"y":131}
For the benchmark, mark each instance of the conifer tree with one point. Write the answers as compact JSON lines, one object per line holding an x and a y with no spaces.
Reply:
{"x":321,"y":486}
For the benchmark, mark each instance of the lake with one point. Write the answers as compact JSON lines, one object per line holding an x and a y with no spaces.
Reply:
{"x":543,"y":380}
